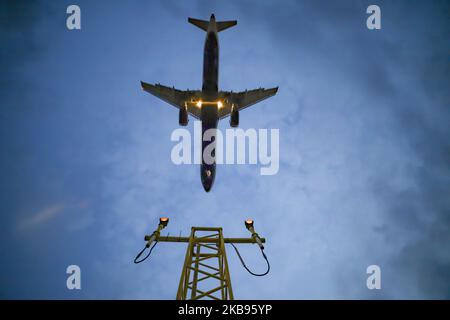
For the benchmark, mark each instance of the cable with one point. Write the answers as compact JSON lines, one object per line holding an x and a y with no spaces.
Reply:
{"x":142,"y":251}
{"x":249,"y":271}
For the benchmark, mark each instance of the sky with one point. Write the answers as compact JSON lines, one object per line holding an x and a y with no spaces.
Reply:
{"x":363,"y":117}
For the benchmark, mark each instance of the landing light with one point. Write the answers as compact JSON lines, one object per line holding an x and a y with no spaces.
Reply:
{"x":199,"y":104}
{"x":219,"y":104}
{"x":164,"y":221}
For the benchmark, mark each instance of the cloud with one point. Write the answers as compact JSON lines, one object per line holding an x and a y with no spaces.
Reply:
{"x":364,"y":149}
{"x":83,"y":218}
{"x":42,"y":216}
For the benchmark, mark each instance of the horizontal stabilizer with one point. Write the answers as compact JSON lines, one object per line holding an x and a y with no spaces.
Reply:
{"x":222,"y":25}
{"x":202,"y":24}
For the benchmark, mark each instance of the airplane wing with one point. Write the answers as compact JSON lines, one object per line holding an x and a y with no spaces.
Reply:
{"x":243,"y":99}
{"x":175,"y":97}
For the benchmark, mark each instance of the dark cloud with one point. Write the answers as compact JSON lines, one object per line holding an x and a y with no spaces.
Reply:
{"x":363,"y":118}
{"x":404,"y":71}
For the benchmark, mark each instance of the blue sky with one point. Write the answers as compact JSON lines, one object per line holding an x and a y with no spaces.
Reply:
{"x":364,"y":147}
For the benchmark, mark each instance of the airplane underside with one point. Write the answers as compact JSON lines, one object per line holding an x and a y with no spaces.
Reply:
{"x":209,"y":104}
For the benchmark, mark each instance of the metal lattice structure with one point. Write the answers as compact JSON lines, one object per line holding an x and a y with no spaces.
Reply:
{"x":205,"y":263}
{"x":205,"y":273}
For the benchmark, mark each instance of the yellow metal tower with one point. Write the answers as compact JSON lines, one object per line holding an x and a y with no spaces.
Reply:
{"x":205,"y":273}
{"x":205,"y":263}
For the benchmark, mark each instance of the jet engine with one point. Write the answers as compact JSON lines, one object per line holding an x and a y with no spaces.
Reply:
{"x":183,"y":118}
{"x":234,"y":117}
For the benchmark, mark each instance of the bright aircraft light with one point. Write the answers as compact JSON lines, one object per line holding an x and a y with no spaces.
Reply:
{"x":199,"y":104}
{"x":219,"y":104}
{"x":163,"y":221}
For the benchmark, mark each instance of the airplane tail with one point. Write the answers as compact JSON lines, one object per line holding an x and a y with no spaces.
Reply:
{"x":203,"y":24}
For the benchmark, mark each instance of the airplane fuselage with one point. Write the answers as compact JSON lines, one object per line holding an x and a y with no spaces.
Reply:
{"x":209,"y":111}
{"x":209,"y":104}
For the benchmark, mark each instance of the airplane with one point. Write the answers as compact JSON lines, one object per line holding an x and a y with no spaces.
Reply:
{"x":209,"y":105}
